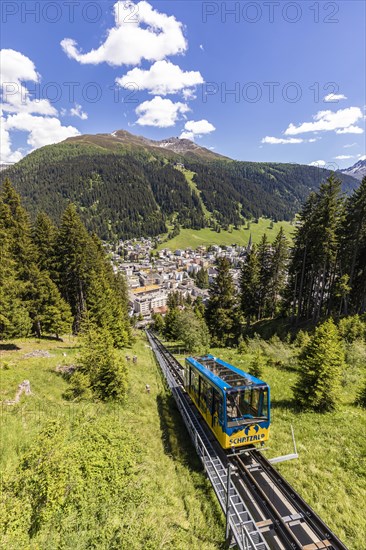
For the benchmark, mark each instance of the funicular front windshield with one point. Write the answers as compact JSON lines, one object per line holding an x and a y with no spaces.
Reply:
{"x":246,"y":405}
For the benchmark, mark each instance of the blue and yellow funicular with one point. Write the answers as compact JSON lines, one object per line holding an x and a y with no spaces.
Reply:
{"x":234,"y":404}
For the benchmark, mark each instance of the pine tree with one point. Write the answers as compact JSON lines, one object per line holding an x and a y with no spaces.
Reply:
{"x":76,"y":257}
{"x":170,"y":329}
{"x":105,"y":309}
{"x":202,"y":278}
{"x":321,"y":362}
{"x":14,"y":220}
{"x":278,"y":271}
{"x":314,"y":264}
{"x":101,"y":372}
{"x":250,"y":286}
{"x":159,"y":324}
{"x":50,"y":314}
{"x":44,"y":237}
{"x":199,"y":308}
{"x":221,"y":311}
{"x":14,"y":317}
{"x":353,"y":252}
{"x":257,"y":364}
{"x":265,"y":265}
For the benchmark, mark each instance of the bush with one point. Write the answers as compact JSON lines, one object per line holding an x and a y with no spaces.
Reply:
{"x":75,"y":483}
{"x":352,"y":328}
{"x":101,"y":373}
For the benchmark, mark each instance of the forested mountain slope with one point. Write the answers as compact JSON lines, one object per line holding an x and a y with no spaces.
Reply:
{"x":128,"y":186}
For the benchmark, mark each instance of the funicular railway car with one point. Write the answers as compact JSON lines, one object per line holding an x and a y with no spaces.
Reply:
{"x":234,"y":404}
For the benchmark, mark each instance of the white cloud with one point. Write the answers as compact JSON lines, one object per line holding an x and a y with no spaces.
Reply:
{"x":187,"y":135}
{"x":344,"y":157}
{"x":189,"y":94}
{"x":17,"y":68}
{"x":341,"y":121}
{"x":349,"y":145}
{"x":199,"y":126}
{"x":162,"y":78}
{"x":143,"y":33}
{"x":280,"y":141}
{"x":160,"y":112}
{"x":202,"y":48}
{"x":196,"y":128}
{"x":78,"y":112}
{"x":334,"y":97}
{"x":318,"y":163}
{"x":6,"y":153}
{"x":350,"y":130}
{"x":18,"y":109}
{"x":41,"y":130}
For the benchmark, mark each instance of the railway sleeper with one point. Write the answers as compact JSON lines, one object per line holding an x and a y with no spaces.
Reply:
{"x":319,"y":545}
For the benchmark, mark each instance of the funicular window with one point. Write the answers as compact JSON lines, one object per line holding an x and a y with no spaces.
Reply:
{"x":218,"y":405}
{"x":204,"y":393}
{"x":244,"y":406}
{"x":186,"y":374}
{"x":194,"y":381}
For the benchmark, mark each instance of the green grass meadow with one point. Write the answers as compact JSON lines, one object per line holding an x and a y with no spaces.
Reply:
{"x":192,"y":238}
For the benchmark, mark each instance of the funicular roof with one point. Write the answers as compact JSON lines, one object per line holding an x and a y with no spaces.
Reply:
{"x":223,"y":374}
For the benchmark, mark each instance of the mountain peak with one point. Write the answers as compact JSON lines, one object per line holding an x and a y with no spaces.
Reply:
{"x":174,"y":144}
{"x":358,"y":170}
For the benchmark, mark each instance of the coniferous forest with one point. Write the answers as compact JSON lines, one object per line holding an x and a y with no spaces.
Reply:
{"x":54,"y":280}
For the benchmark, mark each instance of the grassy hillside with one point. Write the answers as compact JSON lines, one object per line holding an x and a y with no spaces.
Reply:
{"x":168,"y":504}
{"x":206,"y":237}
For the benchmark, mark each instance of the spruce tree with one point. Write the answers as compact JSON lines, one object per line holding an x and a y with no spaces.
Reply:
{"x":278,"y":271}
{"x":314,"y":264}
{"x":321,"y":364}
{"x":14,"y":220}
{"x":202,"y":278}
{"x":265,"y":265}
{"x":50,"y":314}
{"x":257,"y":364}
{"x":44,"y":237}
{"x":353,"y":252}
{"x":221,"y":311}
{"x":250,"y":286}
{"x":101,"y":372}
{"x":14,"y":317}
{"x":76,"y":257}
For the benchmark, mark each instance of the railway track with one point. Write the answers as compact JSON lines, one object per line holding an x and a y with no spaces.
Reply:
{"x":285,"y":520}
{"x":283,"y":510}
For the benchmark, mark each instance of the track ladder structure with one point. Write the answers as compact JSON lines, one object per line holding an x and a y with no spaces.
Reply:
{"x":242,"y":525}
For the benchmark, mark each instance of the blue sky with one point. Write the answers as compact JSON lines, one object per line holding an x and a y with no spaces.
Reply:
{"x":261,"y":81}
